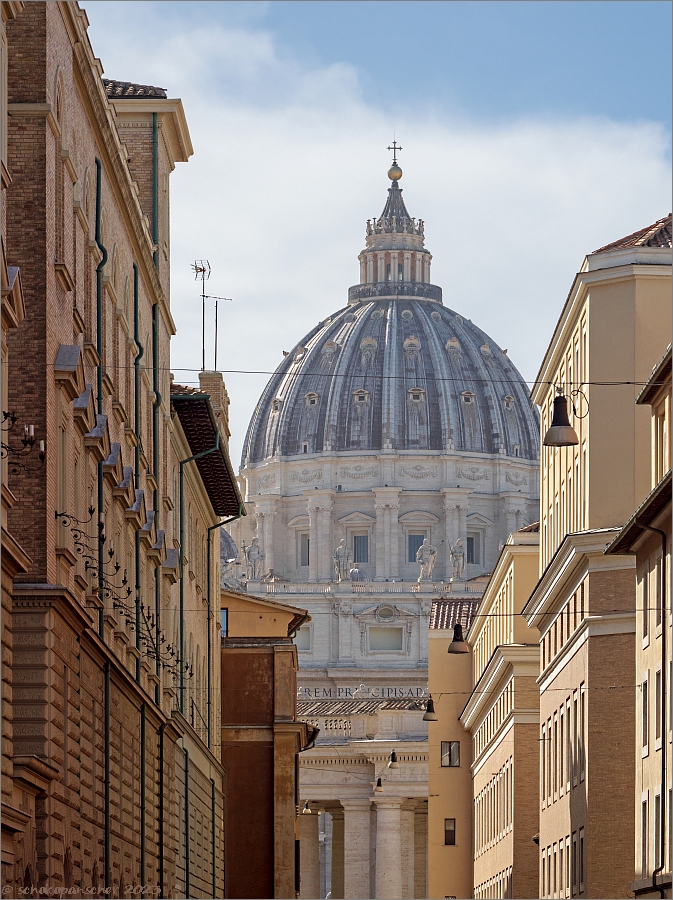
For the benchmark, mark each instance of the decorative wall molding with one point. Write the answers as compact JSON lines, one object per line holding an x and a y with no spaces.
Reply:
{"x":306,"y":475}
{"x":360,"y":472}
{"x":516,"y":478}
{"x":419,"y":471}
{"x":472,"y":473}
{"x":266,"y":480}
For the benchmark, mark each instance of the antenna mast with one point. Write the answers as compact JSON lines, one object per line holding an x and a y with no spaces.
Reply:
{"x":202,"y":270}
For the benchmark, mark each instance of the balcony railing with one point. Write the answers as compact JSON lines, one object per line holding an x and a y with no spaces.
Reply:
{"x":373,"y":587}
{"x":378,"y":289}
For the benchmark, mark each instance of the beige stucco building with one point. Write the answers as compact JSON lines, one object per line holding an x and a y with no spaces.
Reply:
{"x":647,"y":535}
{"x":502,"y":717}
{"x":614,"y":326}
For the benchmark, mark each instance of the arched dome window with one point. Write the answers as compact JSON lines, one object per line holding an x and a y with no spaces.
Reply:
{"x":467,"y":396}
{"x":416,"y":395}
{"x":436,"y":316}
{"x":486,"y":350}
{"x":407,"y":314}
{"x":311,"y":399}
{"x":361,"y":396}
{"x":508,"y":401}
{"x":453,"y":344}
{"x":276,"y":405}
{"x":329,"y":348}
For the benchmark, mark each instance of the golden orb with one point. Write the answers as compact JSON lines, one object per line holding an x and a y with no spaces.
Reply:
{"x":394,"y":172}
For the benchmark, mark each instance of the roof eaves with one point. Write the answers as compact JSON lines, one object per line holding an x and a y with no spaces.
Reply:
{"x":656,"y":380}
{"x":647,"y":512}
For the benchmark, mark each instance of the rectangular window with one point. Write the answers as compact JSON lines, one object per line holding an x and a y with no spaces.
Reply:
{"x":449,"y":832}
{"x":542,"y":880}
{"x":659,"y":590}
{"x":360,"y":548}
{"x":560,"y":868}
{"x":385,"y":638}
{"x":574,"y":890}
{"x":657,"y":706}
{"x":553,"y":881}
{"x":575,"y":738}
{"x":549,"y":762}
{"x":567,"y":882}
{"x":561,"y":750}
{"x":555,"y":757}
{"x":583,"y":736}
{"x":451,"y":754}
{"x":304,"y":549}
{"x":644,"y":816}
{"x":581,"y":860}
{"x":645,"y":714}
{"x":472,"y":549}
{"x":569,"y":756}
{"x":645,"y":584}
{"x":302,"y":639}
{"x":543,"y":767}
{"x":414,"y":541}
{"x":657,"y":830}
{"x":224,"y":622}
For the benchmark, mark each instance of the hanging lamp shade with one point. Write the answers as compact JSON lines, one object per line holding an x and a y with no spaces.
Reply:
{"x":430,"y":714}
{"x":379,"y":786}
{"x":392,"y":762}
{"x":560,"y":433}
{"x":306,"y":811}
{"x":458,"y":644}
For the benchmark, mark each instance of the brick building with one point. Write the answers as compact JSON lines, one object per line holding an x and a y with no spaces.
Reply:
{"x":109,"y":777}
{"x":647,"y":535}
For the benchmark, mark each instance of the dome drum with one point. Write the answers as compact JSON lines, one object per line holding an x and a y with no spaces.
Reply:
{"x":391,"y":289}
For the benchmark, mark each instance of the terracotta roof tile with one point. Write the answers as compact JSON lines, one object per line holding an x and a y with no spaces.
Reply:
{"x":127,"y":90}
{"x":310,"y":708}
{"x":447,"y":613}
{"x":655,"y":235}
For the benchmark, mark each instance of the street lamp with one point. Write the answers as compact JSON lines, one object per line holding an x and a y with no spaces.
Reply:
{"x":392,"y":762}
{"x":430,"y":714}
{"x":458,"y":644}
{"x":560,"y":433}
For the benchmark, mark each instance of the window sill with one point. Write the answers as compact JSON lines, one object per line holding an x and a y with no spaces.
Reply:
{"x":646,"y":642}
{"x":657,"y":744}
{"x":645,"y":752}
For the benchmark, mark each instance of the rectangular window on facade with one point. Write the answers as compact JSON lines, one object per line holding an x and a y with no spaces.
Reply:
{"x":568,"y":773}
{"x":449,"y":832}
{"x":560,"y":869}
{"x":657,"y":706}
{"x":555,"y":757}
{"x":451,"y":754}
{"x":224,"y":622}
{"x":472,"y":549}
{"x":567,"y":882}
{"x":549,"y":762}
{"x":385,"y":638}
{"x":561,"y":749}
{"x":645,"y":701}
{"x":543,"y":767}
{"x":302,"y":638}
{"x":304,"y":549}
{"x":574,"y":883}
{"x":414,"y":541}
{"x":575,"y":748}
{"x":583,"y":736}
{"x":644,"y":838}
{"x":645,"y":599}
{"x":657,"y":830}
{"x":360,"y":548}
{"x":544,"y":873}
{"x":581,"y":860}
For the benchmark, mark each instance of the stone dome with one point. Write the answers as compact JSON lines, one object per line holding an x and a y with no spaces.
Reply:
{"x":395,"y":369}
{"x":402,"y":373}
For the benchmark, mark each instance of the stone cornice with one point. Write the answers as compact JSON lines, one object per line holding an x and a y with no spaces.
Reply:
{"x":507,"y":661}
{"x":580,"y":286}
{"x":576,"y":556}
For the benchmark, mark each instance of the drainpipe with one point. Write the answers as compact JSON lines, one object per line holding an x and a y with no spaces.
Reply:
{"x":210,"y":614}
{"x":186,"y":822}
{"x":155,"y":190}
{"x":162,"y":885}
{"x":183,"y":463}
{"x":662,"y":805}
{"x":136,"y":429}
{"x":106,"y":783}
{"x":99,"y":386}
{"x":142,"y":792}
{"x":155,"y":466}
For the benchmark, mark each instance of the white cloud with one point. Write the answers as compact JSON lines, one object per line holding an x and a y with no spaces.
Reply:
{"x":290,"y":161}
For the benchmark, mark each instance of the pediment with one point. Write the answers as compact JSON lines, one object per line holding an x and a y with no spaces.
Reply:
{"x":373,"y":614}
{"x":136,"y":512}
{"x":479,"y":520}
{"x":69,"y":370}
{"x":298,"y":522}
{"x":356,"y":518}
{"x":98,"y":439}
{"x":113,"y":467}
{"x":84,"y":410}
{"x":418,"y":517}
{"x":124,"y":489}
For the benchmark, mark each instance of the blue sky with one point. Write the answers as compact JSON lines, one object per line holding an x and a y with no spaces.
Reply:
{"x":533,"y":133}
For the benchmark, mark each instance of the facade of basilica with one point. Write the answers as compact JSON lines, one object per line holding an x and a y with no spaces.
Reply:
{"x":390,"y":456}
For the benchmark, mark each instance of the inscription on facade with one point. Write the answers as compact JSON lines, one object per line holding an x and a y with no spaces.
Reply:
{"x":369,"y":693}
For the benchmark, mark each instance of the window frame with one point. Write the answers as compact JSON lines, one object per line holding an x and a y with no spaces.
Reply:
{"x":449,"y":831}
{"x":442,"y":755}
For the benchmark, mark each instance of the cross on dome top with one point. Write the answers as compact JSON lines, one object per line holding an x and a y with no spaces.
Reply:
{"x":394,"y":172}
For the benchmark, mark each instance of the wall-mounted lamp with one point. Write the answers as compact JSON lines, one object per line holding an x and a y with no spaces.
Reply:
{"x":458,"y":644}
{"x":306,"y":811}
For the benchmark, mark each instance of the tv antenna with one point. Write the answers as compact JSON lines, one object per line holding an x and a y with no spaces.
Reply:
{"x":202,"y":270}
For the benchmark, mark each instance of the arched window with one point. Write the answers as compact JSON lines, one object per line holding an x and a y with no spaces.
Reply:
{"x":361,"y":396}
{"x":508,"y":401}
{"x":467,"y":396}
{"x":311,"y":399}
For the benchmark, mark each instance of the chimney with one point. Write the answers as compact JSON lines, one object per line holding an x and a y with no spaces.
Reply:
{"x":213,"y":384}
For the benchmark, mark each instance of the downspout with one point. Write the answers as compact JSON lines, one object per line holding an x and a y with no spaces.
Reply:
{"x":209,"y":591}
{"x":186,"y":822}
{"x":662,"y":802}
{"x":143,"y":717}
{"x":183,"y":463}
{"x":136,"y":429}
{"x":155,"y":190}
{"x":106,"y":783}
{"x":155,"y":466}
{"x":99,"y":387}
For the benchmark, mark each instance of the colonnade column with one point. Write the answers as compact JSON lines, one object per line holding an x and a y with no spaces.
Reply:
{"x":407,"y":267}
{"x":407,"y":847}
{"x":337,"y":853}
{"x":449,"y":531}
{"x":419,"y":267}
{"x":357,"y":823}
{"x":421,"y":849}
{"x":309,"y":854}
{"x":388,"y":848}
{"x":381,"y":265}
{"x":326,"y":571}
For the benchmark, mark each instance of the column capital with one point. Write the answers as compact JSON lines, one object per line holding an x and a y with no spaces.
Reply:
{"x":360,"y":803}
{"x":389,"y":802}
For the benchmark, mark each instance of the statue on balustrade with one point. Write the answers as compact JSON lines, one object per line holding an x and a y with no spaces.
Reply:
{"x":357,"y":574}
{"x":254,"y":559}
{"x":343,"y":556}
{"x":458,"y":559}
{"x":426,"y":555}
